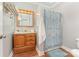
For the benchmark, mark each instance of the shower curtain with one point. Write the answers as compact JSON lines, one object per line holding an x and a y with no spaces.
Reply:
{"x":40,"y":30}
{"x":52,"y":21}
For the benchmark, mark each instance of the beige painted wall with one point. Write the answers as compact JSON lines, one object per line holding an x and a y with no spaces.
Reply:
{"x":70,"y":23}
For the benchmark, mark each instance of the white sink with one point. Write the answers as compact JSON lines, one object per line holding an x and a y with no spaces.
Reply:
{"x":23,"y":32}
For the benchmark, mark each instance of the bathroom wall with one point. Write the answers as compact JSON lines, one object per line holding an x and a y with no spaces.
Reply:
{"x":8,"y":30}
{"x":70,"y":23}
{"x":0,"y":15}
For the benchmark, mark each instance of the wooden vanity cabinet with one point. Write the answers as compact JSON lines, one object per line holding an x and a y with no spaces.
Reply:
{"x":24,"y":42}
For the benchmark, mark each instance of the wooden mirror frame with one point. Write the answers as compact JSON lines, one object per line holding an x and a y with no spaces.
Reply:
{"x":25,"y":12}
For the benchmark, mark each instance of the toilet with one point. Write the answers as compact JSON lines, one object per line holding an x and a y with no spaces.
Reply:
{"x":76,"y":51}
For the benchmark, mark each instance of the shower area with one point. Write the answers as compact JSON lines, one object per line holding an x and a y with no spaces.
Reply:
{"x":53,"y":30}
{"x":53,"y":40}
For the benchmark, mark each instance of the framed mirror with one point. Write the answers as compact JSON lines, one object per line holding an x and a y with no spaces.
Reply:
{"x":25,"y":18}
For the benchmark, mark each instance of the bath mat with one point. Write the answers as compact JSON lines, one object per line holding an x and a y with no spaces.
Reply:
{"x":56,"y":53}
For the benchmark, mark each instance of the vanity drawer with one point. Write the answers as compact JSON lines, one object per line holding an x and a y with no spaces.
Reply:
{"x":23,"y":49}
{"x":30,"y":35}
{"x":18,"y":35}
{"x":30,"y":39}
{"x":31,"y":43}
{"x":19,"y":50}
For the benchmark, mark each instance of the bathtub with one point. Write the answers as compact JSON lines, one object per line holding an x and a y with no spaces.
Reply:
{"x":75,"y":52}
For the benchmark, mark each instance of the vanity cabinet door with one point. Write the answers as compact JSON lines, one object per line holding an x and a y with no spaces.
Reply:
{"x":19,"y":41}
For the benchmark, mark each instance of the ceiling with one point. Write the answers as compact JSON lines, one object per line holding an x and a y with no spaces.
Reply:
{"x":49,"y":4}
{"x":44,"y":4}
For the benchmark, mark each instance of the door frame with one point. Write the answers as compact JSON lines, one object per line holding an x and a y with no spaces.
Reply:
{"x":1,"y":28}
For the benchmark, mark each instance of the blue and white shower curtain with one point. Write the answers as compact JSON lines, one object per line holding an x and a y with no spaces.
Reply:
{"x":52,"y":21}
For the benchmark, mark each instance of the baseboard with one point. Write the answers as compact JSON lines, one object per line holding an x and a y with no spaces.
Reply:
{"x":11,"y":54}
{"x":40,"y":53}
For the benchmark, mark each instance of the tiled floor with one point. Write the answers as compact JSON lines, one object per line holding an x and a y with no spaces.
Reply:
{"x":34,"y":54}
